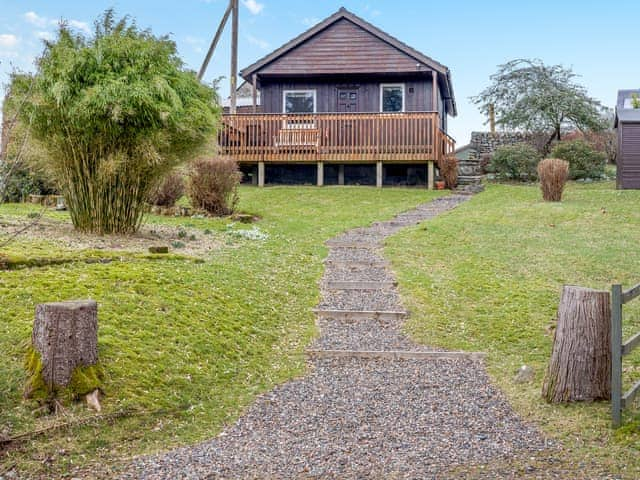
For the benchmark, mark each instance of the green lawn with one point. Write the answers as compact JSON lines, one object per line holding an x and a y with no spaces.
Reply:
{"x":197,"y":340}
{"x":487,"y":277}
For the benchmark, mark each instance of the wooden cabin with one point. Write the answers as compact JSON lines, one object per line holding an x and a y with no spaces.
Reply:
{"x":627,"y":123}
{"x":343,"y":103}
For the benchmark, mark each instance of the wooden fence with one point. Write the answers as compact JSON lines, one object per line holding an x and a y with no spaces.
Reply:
{"x":408,"y":136}
{"x":619,"y":349}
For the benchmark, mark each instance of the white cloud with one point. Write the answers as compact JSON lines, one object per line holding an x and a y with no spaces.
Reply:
{"x":8,"y":40}
{"x":82,"y":26}
{"x":262,"y":44}
{"x":310,"y":21}
{"x":196,"y":43}
{"x":35,"y":19}
{"x":253,"y":6}
{"x":372,"y":12}
{"x":44,"y":35}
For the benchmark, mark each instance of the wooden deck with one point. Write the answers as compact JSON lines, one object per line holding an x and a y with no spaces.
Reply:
{"x":334,"y":137}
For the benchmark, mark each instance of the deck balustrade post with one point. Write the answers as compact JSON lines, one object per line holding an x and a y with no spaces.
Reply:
{"x":320,"y":174}
{"x":260,"y":174}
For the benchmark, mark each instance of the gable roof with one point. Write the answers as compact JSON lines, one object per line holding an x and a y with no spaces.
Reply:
{"x":444,"y":73}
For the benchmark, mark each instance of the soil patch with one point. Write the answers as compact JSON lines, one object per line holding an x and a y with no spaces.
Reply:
{"x":180,"y":240}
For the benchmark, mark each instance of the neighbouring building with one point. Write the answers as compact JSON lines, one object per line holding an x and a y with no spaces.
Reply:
{"x":627,"y":124}
{"x":342,"y":103}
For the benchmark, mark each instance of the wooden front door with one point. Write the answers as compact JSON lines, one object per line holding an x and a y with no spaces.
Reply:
{"x":347,"y":103}
{"x":347,"y":100}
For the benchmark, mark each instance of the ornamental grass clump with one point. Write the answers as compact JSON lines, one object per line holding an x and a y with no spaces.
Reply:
{"x":213,"y":185}
{"x":448,"y":166}
{"x":115,"y":112}
{"x":553,"y":173}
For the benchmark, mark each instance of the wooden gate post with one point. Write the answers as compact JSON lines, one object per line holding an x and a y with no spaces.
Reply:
{"x":616,"y":355}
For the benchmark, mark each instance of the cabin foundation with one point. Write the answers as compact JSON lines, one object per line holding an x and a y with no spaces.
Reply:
{"x":379,"y":174}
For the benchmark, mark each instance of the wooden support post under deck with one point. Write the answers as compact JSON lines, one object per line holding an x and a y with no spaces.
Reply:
{"x":431,"y":172}
{"x":340,"y":174}
{"x":379,"y":174}
{"x":261,"y":174}
{"x":320,"y":174}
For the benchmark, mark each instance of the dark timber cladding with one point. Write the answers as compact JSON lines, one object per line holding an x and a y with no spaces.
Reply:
{"x":348,"y":100}
{"x":628,"y":125}
{"x":342,"y":48}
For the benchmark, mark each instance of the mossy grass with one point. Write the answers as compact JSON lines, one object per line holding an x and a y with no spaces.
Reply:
{"x":201,"y":338}
{"x":487,"y":276}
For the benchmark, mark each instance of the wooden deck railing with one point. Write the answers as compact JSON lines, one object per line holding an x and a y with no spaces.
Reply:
{"x":414,"y":136}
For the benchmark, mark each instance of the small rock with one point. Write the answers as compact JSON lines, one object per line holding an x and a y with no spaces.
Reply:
{"x":524,"y":375}
{"x":93,"y":401}
{"x":243,"y":218}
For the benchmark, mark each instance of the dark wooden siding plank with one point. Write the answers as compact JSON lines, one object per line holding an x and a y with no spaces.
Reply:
{"x":342,"y":48}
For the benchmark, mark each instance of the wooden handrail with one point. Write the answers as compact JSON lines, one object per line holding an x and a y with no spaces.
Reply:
{"x":407,"y":136}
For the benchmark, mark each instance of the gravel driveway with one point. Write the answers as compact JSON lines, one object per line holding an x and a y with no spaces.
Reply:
{"x":357,"y":418}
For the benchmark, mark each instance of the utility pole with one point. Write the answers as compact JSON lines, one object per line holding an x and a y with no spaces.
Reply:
{"x":492,"y":118}
{"x":234,"y":55}
{"x":232,"y":10}
{"x":215,"y":40}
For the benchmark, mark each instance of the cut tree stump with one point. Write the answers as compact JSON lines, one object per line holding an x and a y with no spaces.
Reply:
{"x":65,"y":334}
{"x":580,"y":365}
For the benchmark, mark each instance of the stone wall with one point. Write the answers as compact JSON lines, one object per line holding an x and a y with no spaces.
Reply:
{"x":483,"y":143}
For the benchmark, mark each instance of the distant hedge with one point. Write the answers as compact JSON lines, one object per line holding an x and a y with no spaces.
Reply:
{"x":517,"y":162}
{"x":584,"y":160}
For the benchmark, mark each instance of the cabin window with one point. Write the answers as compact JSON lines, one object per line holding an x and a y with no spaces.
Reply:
{"x":299,"y":101}
{"x":392,"y":97}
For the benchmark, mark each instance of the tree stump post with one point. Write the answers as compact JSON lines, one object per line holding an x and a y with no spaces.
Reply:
{"x":580,"y":365}
{"x":65,"y":334}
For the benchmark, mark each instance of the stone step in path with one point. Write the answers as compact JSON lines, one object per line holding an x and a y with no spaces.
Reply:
{"x":373,"y":404}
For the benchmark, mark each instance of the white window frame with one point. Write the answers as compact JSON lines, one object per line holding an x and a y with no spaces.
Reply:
{"x":404,"y":97}
{"x":284,"y":100}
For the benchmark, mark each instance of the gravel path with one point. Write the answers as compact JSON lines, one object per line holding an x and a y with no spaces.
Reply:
{"x":354,"y":418}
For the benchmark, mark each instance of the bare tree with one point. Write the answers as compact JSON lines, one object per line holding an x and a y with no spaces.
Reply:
{"x":13,"y":142}
{"x":534,"y":97}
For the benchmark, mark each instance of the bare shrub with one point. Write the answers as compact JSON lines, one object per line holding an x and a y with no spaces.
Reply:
{"x":213,"y":185}
{"x":448,"y":166}
{"x":553,"y":174}
{"x":168,"y":191}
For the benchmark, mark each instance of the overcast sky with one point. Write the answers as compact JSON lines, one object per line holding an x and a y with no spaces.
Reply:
{"x":595,"y":38}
